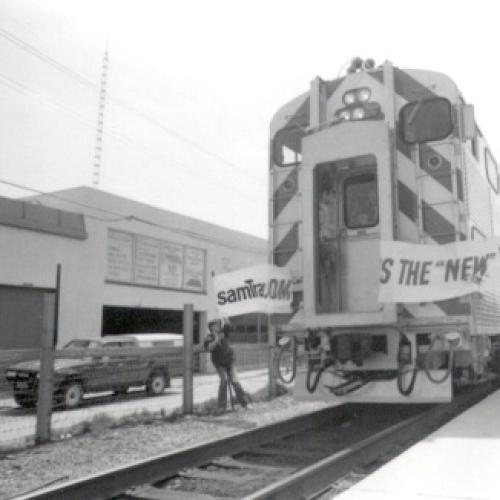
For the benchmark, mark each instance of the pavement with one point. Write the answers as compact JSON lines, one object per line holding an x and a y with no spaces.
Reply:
{"x":459,"y":461}
{"x":18,"y":425}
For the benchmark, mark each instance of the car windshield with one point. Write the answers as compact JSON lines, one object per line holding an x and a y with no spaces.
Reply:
{"x":123,"y":343}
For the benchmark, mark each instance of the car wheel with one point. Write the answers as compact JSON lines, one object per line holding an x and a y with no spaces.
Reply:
{"x":72,"y":395}
{"x":25,"y":400}
{"x":156,"y":384}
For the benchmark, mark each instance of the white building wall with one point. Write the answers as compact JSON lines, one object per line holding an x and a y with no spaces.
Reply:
{"x":31,"y":257}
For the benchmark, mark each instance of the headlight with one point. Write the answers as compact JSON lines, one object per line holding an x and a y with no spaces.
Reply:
{"x":363,"y":94}
{"x":353,"y":96}
{"x":10,"y":374}
{"x":358,"y":113}
{"x":365,"y":111}
{"x":344,"y":114}
{"x":349,"y":98}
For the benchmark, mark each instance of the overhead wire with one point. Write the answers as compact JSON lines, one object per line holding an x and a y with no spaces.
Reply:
{"x":15,"y":85}
{"x":88,"y":83}
{"x":128,"y":217}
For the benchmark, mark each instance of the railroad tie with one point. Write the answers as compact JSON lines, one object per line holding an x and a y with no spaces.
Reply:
{"x":283,"y":452}
{"x":233,"y":463}
{"x":217,"y":475}
{"x":152,"y":493}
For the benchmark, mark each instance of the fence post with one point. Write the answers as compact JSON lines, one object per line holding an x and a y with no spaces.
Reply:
{"x":202,"y":331}
{"x":271,"y":333}
{"x":187,"y":379}
{"x":46,"y":382}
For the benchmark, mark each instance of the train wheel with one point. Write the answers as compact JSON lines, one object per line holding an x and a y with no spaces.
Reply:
{"x":286,"y":363}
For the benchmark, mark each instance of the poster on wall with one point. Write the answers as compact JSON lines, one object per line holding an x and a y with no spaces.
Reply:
{"x":120,"y":256}
{"x":194,"y":269}
{"x":147,"y":261}
{"x":137,"y":259}
{"x":171,"y":261}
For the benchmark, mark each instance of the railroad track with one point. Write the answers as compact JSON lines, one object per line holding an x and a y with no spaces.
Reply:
{"x":303,"y":457}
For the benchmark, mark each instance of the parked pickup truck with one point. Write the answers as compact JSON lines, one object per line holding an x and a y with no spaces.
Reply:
{"x":84,"y":365}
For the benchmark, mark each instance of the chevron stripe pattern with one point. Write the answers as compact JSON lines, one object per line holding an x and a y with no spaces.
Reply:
{"x":430,"y":191}
{"x":430,"y":194}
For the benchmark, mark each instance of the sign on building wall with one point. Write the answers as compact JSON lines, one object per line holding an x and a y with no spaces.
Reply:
{"x":142,"y":260}
{"x":120,"y":256}
{"x":194,"y":268}
{"x":427,"y":273}
{"x":171,"y":265}
{"x":147,"y":260}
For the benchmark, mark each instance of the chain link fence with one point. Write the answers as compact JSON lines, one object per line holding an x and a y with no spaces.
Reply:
{"x":110,"y":384}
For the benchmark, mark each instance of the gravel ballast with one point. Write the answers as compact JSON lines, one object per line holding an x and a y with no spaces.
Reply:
{"x":104,"y":447}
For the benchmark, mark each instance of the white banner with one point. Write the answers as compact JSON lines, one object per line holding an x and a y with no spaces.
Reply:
{"x":428,"y":273}
{"x":265,"y":289}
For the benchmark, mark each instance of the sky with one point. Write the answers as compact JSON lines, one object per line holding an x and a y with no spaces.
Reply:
{"x":193,"y":85}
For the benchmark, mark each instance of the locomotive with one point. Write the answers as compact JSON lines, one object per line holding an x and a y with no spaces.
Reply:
{"x":380,"y":154}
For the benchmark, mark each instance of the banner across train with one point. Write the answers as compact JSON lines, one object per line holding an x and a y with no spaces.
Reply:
{"x":265,"y":288}
{"x":427,"y":273}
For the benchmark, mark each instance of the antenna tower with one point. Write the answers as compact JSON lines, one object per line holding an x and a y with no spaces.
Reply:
{"x":100,"y":119}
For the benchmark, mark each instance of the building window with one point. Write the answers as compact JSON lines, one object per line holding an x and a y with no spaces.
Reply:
{"x":249,"y":329}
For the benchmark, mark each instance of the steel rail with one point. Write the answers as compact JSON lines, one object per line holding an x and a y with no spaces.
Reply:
{"x":315,"y":480}
{"x":116,"y":481}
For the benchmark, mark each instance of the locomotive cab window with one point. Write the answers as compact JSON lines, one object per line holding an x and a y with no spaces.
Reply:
{"x":426,"y":120}
{"x":287,"y":146}
{"x":361,"y":201}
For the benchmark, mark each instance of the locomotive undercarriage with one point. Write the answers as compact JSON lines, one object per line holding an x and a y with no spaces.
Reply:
{"x":384,"y":364}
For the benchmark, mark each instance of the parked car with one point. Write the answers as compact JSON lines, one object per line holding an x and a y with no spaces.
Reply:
{"x":76,"y":374}
{"x":158,"y":339}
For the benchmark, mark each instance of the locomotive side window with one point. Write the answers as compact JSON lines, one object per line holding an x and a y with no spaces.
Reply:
{"x":491,"y":169}
{"x":361,"y":201}
{"x":287,"y":146}
{"x":426,"y":120}
{"x":477,"y":234}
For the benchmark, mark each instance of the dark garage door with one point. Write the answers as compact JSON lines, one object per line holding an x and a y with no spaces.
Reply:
{"x":21,"y":317}
{"x":116,"y":320}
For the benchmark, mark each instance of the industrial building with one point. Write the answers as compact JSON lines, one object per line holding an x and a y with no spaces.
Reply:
{"x":126,"y":267}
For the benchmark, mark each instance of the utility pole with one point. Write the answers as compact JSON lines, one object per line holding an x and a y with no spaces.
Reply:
{"x":100,"y":118}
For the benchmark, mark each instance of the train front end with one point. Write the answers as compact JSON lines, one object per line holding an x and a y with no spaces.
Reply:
{"x":333,"y":198}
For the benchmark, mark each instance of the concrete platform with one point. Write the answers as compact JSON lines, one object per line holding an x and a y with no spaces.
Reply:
{"x":460,"y":461}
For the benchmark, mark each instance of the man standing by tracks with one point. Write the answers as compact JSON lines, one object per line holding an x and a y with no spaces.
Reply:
{"x":222,"y":356}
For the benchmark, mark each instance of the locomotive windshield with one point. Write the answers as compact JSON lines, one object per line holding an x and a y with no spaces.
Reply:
{"x":426,"y":120}
{"x":361,"y":203}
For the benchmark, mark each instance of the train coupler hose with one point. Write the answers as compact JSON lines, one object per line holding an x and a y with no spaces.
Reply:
{"x":316,"y":368}
{"x":347,"y":387}
{"x":405,"y":366}
{"x":428,"y":355}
